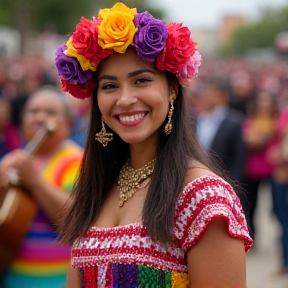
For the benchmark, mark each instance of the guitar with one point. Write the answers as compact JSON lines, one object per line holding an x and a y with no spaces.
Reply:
{"x":17,"y":207}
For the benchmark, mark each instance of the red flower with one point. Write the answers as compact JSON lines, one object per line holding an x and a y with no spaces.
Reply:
{"x":85,"y":40}
{"x":179,"y":48}
{"x":80,"y":91}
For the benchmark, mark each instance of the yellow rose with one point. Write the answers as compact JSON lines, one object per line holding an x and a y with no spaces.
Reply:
{"x":84,"y":62}
{"x":117,"y":28}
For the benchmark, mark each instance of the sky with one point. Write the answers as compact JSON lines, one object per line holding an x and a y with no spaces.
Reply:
{"x":208,"y":13}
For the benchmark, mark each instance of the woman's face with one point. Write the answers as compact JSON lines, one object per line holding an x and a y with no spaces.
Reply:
{"x":133,"y":97}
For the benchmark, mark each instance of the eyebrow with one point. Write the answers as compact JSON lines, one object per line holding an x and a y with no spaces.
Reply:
{"x":140,"y":71}
{"x":131,"y":74}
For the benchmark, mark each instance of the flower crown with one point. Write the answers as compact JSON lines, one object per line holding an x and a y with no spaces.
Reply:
{"x":168,"y":45}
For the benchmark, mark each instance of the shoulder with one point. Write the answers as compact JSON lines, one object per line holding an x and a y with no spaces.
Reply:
{"x":203,"y":185}
{"x":70,"y":147}
{"x":197,"y":170}
{"x":207,"y":196}
{"x":70,"y":152}
{"x":64,"y":165}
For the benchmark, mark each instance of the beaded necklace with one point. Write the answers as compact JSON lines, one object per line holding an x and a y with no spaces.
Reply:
{"x":130,"y":180}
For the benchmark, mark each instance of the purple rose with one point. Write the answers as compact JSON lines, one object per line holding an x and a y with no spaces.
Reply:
{"x":151,"y":36}
{"x":69,"y":68}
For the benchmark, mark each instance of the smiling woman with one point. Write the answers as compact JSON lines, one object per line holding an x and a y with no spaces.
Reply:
{"x":149,"y":208}
{"x":134,"y":99}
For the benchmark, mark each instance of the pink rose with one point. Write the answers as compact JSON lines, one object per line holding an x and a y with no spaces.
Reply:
{"x":189,"y":70}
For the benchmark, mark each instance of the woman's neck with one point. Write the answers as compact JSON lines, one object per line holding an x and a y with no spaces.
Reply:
{"x":139,"y":156}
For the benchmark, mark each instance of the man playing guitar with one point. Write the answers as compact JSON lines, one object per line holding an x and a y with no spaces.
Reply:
{"x":46,"y":175}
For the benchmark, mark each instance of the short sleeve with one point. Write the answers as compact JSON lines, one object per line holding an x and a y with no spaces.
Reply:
{"x":202,"y":200}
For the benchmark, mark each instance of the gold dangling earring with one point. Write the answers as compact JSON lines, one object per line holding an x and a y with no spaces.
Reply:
{"x":103,"y":137}
{"x":168,"y":126}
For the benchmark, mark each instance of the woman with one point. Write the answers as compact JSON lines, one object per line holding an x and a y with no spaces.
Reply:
{"x":278,"y":156}
{"x":145,"y":195}
{"x":258,"y":129}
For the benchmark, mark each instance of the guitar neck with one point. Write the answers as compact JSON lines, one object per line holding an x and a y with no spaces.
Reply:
{"x":36,"y":141}
{"x":39,"y":137}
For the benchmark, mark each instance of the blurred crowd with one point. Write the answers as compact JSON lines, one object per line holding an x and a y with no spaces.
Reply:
{"x":239,"y":110}
{"x":240,"y":113}
{"x":19,"y":78}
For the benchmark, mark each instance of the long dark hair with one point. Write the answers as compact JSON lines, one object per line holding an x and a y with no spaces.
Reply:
{"x":101,"y":166}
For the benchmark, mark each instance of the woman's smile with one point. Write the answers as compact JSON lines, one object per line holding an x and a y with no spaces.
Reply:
{"x":131,"y":118}
{"x":133,"y":97}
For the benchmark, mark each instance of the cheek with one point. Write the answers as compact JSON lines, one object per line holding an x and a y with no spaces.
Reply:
{"x":102,"y":104}
{"x":162,"y":108}
{"x":27,"y":123}
{"x":29,"y":131}
{"x":64,"y":124}
{"x":105,"y":106}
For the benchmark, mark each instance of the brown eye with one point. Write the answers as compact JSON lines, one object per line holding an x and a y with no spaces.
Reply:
{"x":143,"y":80}
{"x":108,"y":86}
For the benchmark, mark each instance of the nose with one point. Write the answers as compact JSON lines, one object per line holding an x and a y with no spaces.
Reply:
{"x":126,"y":98}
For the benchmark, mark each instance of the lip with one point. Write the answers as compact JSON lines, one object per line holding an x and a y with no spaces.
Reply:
{"x":131,"y":113}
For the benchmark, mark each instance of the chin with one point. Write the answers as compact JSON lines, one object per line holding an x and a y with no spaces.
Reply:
{"x":133,"y":139}
{"x":137,"y":138}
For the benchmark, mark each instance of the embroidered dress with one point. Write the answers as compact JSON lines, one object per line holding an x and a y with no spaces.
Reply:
{"x":125,"y":256}
{"x":40,"y":262}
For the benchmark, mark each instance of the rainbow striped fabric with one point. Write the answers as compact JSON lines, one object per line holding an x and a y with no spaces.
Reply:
{"x":40,"y":262}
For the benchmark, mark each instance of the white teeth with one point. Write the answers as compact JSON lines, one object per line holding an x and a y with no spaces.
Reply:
{"x":131,"y":118}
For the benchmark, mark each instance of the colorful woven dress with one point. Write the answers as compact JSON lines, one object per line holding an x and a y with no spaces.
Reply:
{"x":40,"y":262}
{"x":126,"y":256}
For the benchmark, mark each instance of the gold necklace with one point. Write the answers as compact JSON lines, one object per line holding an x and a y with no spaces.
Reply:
{"x":130,"y":180}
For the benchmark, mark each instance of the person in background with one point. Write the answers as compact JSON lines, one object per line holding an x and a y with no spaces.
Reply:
{"x":241,"y":90}
{"x":10,"y":138}
{"x":218,"y":128}
{"x":48,"y":175}
{"x":148,"y":208}
{"x":258,"y":128}
{"x":277,"y":154}
{"x":80,"y":111}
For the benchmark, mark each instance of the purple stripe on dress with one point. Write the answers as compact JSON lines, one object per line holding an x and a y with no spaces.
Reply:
{"x":124,"y":275}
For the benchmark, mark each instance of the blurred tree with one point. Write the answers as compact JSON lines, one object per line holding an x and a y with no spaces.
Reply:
{"x":260,"y":34}
{"x":33,"y":15}
{"x":58,"y":16}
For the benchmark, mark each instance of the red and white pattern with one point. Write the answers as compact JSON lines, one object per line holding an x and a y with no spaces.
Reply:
{"x":202,"y":200}
{"x":129,"y":244}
